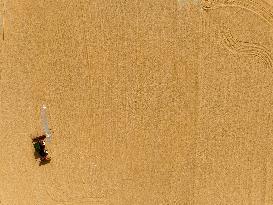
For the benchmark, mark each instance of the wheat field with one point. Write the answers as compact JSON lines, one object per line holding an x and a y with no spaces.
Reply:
{"x":150,"y":102}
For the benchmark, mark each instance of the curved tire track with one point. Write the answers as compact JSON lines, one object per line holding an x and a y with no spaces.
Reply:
{"x":246,"y":48}
{"x":261,"y":8}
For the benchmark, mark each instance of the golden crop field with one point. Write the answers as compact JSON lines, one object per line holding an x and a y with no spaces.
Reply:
{"x":157,"y":102}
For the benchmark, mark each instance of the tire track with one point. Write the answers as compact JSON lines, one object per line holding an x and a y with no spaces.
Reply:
{"x":261,"y":9}
{"x":247,"y":48}
{"x":3,"y":11}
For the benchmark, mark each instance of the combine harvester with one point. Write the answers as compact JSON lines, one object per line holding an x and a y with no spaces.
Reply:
{"x":39,"y":141}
